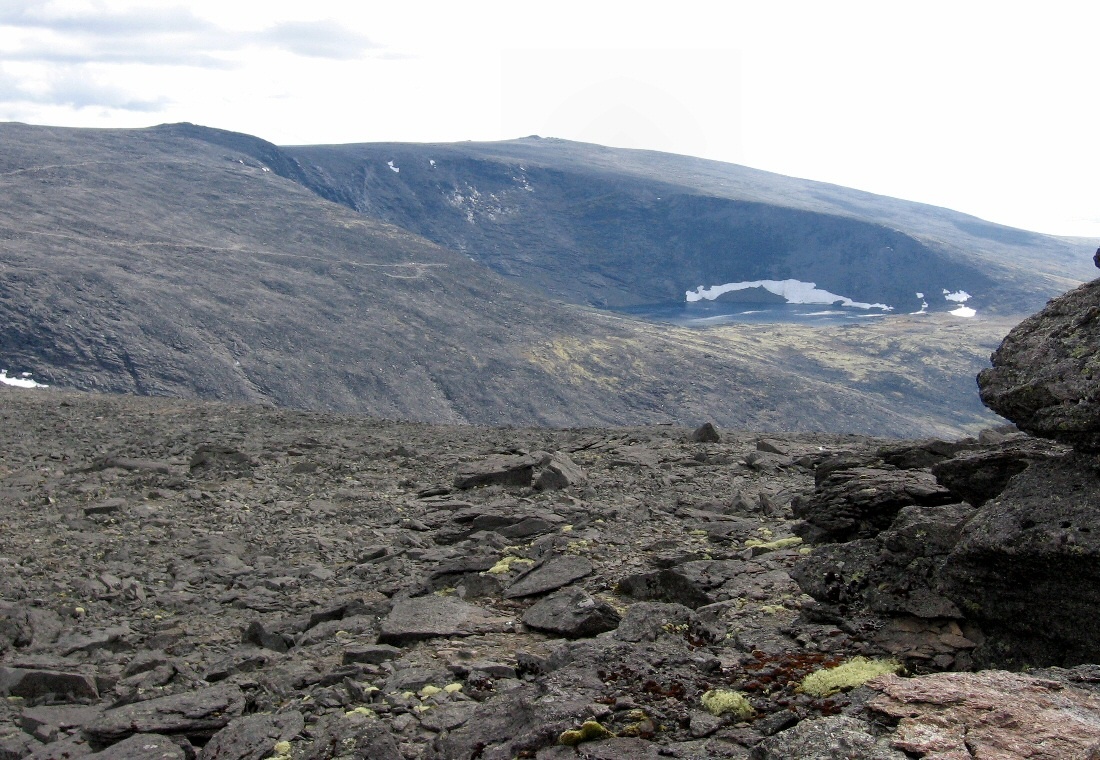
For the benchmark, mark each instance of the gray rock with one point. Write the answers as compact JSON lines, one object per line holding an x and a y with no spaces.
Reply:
{"x":148,"y":746}
{"x":1026,"y":567}
{"x":45,"y":722}
{"x":555,"y":572}
{"x":113,"y":639}
{"x":861,"y":502}
{"x":259,"y":634}
{"x":15,"y":627}
{"x":371,"y":654}
{"x":1046,"y":372}
{"x":835,"y":738}
{"x":498,"y":470}
{"x":253,"y":737}
{"x":560,"y":472}
{"x":572,"y":614}
{"x":353,"y":736}
{"x":626,"y":748}
{"x":448,"y":717}
{"x":706,"y":433}
{"x":35,"y":683}
{"x":215,"y":462}
{"x":772,"y":446}
{"x":196,"y":714}
{"x":428,"y":617}
{"x":18,"y":746}
{"x":649,"y":621}
{"x":981,"y":475}
{"x":415,"y":679}
{"x":663,"y":586}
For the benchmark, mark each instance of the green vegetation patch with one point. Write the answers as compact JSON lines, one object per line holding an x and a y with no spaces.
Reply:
{"x":856,"y":672}
{"x":720,"y":702}
{"x":589,"y":731}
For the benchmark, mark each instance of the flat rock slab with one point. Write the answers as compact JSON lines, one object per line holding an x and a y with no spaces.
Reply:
{"x":498,"y":470}
{"x":33,"y":683}
{"x":253,"y":736}
{"x":199,"y":714}
{"x":664,"y":586}
{"x":143,"y":747}
{"x":573,"y":614}
{"x":552,"y":574}
{"x":992,"y":713}
{"x":429,"y":617}
{"x":836,"y":738}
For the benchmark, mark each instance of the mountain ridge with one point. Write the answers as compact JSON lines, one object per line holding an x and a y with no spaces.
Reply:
{"x":154,"y":262}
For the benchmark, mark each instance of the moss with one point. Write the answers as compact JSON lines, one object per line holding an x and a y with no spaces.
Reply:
{"x":721,"y":702}
{"x":590,"y":730}
{"x":848,"y":675}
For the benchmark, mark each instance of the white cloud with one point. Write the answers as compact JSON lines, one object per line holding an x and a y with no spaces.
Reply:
{"x":971,"y":106}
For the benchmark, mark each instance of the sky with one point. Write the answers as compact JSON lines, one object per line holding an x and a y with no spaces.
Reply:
{"x":989,"y":108}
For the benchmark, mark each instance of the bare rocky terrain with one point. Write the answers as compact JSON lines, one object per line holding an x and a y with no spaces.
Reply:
{"x":187,"y":579}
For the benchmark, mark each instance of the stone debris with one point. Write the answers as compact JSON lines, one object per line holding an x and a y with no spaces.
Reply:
{"x":276,"y":584}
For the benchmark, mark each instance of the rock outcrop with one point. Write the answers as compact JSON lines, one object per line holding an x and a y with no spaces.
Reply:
{"x":1046,"y":373}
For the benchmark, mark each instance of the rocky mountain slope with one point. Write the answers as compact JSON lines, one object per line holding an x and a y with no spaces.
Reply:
{"x":614,"y":228}
{"x":191,"y":262}
{"x":197,"y":580}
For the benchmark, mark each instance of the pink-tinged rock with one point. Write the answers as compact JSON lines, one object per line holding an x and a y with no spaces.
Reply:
{"x":993,"y":714}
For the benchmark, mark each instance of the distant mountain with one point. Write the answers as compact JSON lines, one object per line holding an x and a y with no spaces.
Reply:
{"x":181,"y":260}
{"x":610,"y":227}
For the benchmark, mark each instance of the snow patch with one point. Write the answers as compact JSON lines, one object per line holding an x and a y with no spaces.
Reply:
{"x":959,"y":296}
{"x":395,"y":169}
{"x":963,"y":311}
{"x":920,"y":295}
{"x":795,"y":291}
{"x":432,"y":162}
{"x":23,"y":381}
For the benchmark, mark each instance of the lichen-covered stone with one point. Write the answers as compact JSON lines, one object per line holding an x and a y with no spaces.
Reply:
{"x":1046,"y":373}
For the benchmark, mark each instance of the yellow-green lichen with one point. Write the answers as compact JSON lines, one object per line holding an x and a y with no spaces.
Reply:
{"x":366,"y":712}
{"x":722,"y":702}
{"x":856,"y":672}
{"x":771,"y":546}
{"x":590,"y":730}
{"x":451,"y":688}
{"x":429,"y":691}
{"x":506,"y":562}
{"x":282,"y":752}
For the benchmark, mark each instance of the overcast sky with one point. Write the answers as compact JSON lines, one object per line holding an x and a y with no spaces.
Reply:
{"x":990,"y":108}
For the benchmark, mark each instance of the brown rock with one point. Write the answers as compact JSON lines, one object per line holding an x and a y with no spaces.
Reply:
{"x":991,"y":714}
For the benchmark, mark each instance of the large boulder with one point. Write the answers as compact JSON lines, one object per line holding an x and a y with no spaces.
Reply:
{"x":1026,"y":567}
{"x":861,"y":502}
{"x":1046,"y":373}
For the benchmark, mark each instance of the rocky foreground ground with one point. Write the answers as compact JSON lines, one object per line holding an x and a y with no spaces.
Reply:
{"x":183,"y":579}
